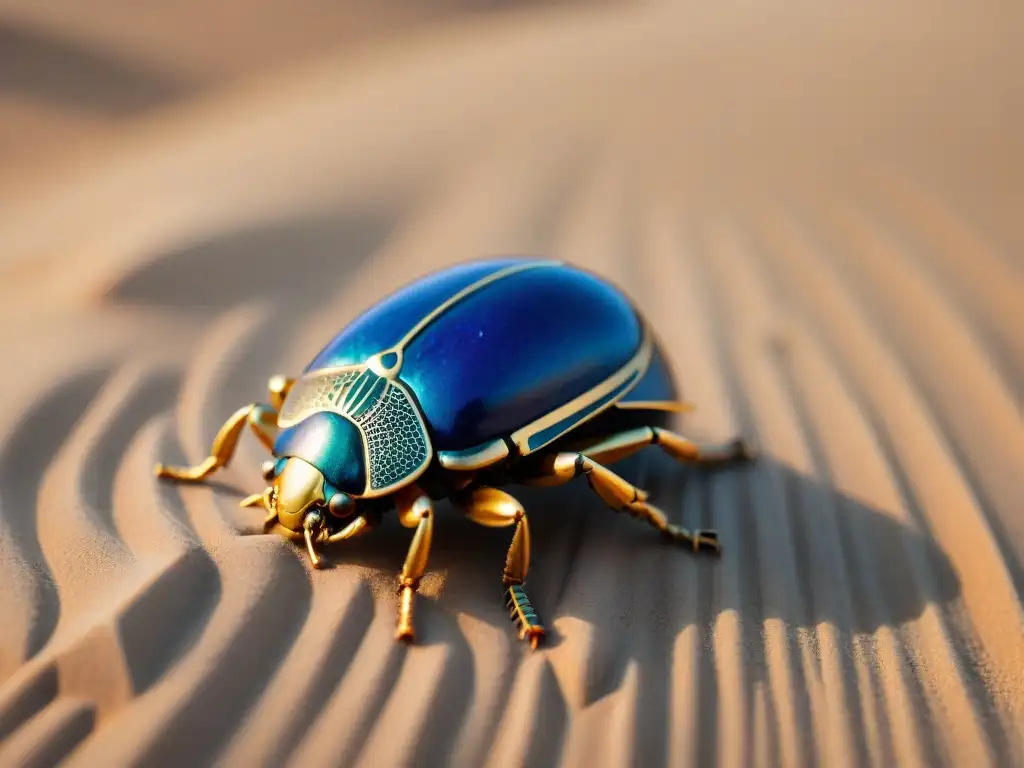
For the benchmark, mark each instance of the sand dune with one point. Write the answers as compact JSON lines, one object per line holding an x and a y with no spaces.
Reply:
{"x":819,"y":211}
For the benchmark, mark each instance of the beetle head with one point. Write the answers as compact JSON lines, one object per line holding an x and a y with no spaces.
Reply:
{"x":297,"y":490}
{"x":298,"y":495}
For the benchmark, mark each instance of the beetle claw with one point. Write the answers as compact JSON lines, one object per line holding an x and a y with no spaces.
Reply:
{"x":706,"y":540}
{"x":701,"y":540}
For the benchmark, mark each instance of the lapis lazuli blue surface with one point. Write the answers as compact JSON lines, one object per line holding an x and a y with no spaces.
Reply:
{"x":332,"y":444}
{"x":503,"y":356}
{"x":384,"y":324}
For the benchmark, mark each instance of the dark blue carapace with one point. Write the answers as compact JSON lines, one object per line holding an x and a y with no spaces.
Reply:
{"x":487,"y":349}
{"x":490,"y":373}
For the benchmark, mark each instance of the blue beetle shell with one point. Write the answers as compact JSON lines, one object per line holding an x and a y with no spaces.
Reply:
{"x":466,"y":362}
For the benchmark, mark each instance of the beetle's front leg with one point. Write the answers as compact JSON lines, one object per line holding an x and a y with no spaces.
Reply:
{"x":262,"y":420}
{"x":415,"y":510}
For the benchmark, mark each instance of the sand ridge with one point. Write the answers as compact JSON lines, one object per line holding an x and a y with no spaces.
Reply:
{"x":828,"y":278}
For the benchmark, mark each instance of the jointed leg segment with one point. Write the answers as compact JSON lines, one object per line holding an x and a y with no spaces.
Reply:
{"x":620,"y":495}
{"x":497,"y":509}
{"x":616,"y":447}
{"x":262,"y":419}
{"x":414,"y":511}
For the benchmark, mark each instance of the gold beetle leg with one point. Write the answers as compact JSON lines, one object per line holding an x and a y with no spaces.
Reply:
{"x":497,"y":509}
{"x":259,"y":417}
{"x":613,"y":448}
{"x":278,"y":387}
{"x":262,"y":419}
{"x":620,"y":495}
{"x":357,"y":527}
{"x":415,"y":510}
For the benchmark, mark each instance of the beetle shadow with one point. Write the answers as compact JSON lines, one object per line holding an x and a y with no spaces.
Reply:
{"x":826,"y":536}
{"x":795,"y":549}
{"x":296,"y":259}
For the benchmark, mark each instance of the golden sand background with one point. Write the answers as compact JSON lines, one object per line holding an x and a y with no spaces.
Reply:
{"x":819,"y":207}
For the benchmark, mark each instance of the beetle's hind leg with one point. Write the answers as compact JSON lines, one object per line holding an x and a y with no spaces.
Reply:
{"x":497,"y":509}
{"x":620,"y":495}
{"x":262,"y":420}
{"x":610,"y":449}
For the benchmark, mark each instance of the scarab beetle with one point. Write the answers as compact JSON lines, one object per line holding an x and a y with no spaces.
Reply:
{"x":486,"y":374}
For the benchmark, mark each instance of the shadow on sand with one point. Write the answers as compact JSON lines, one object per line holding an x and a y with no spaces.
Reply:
{"x":795,"y":550}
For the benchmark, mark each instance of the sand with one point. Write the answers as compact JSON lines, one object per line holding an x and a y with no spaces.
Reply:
{"x":818,"y":209}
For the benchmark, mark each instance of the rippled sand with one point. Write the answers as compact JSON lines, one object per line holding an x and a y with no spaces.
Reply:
{"x":820,"y":212}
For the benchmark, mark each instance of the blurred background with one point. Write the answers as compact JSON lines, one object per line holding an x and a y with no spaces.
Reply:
{"x":816,"y":204}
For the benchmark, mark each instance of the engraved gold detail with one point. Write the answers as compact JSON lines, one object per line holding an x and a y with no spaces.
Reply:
{"x":634,"y":369}
{"x":672,"y":406}
{"x":477,"y":458}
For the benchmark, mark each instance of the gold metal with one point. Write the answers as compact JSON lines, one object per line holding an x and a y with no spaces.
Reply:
{"x":411,"y":504}
{"x":620,"y":495}
{"x":617,"y":447}
{"x":419,"y":551}
{"x":412,"y":477}
{"x":279,"y":386}
{"x":609,"y":450}
{"x":517,"y":561}
{"x":414,"y":508}
{"x":493,"y":508}
{"x":376,"y":363}
{"x":560,"y":468}
{"x":676,"y":446}
{"x":299,"y":487}
{"x":257,"y":416}
{"x":480,"y":457}
{"x":405,"y":630}
{"x":266,"y":500}
{"x":262,"y":420}
{"x":309,"y":398}
{"x":673,"y":406}
{"x":357,"y":527}
{"x":635,"y":367}
{"x":313,"y":392}
{"x":311,"y":529}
